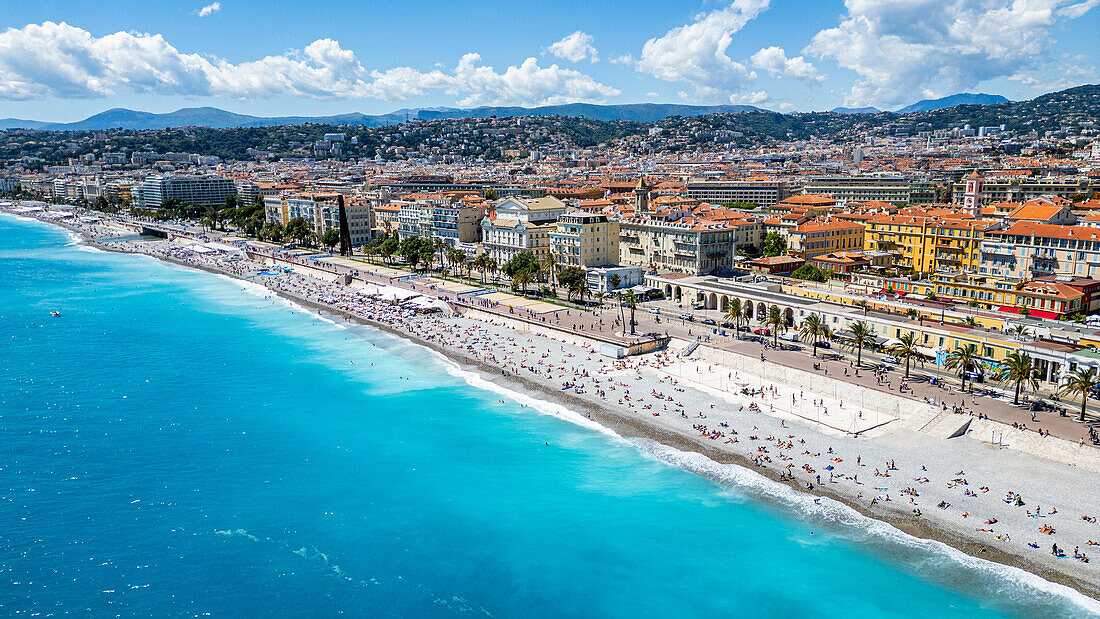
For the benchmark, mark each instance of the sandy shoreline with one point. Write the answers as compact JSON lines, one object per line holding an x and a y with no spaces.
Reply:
{"x":629,"y":424}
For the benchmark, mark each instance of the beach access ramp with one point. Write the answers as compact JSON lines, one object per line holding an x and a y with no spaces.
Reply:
{"x":690,"y":348}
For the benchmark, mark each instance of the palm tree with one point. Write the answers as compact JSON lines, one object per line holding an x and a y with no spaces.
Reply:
{"x":481,"y":263}
{"x":491,"y":265}
{"x":861,"y":334}
{"x":906,"y":348}
{"x":521,"y":279}
{"x":549,"y":265}
{"x":613,"y":282}
{"x":632,"y":303}
{"x":1081,"y":382}
{"x":1018,"y":331}
{"x":733,"y":314}
{"x":776,"y":320}
{"x":583,"y":290}
{"x":964,"y":359}
{"x":862,"y":305}
{"x":813,"y":327}
{"x":1019,"y":370}
{"x":440,"y":245}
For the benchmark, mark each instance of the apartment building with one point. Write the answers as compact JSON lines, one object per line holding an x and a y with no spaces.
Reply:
{"x":814,"y":238}
{"x":457,"y":223}
{"x":759,"y":192}
{"x":926,"y":244}
{"x":518,"y":224}
{"x":1026,"y":250}
{"x":686,"y":245}
{"x":585,"y":240}
{"x":894,"y":190}
{"x":415,"y":219}
{"x":205,"y":190}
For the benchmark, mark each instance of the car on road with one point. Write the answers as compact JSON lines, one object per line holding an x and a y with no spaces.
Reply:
{"x":762,"y":331}
{"x":654,"y":310}
{"x":709,"y":321}
{"x":824,"y":344}
{"x":890,"y":359}
{"x":687,"y":316}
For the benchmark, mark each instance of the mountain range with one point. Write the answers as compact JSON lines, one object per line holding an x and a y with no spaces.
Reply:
{"x":963,"y":98}
{"x":121,"y":118}
{"x":855,"y":110}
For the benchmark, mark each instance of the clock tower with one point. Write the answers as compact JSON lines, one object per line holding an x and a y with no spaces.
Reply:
{"x":972,"y":197}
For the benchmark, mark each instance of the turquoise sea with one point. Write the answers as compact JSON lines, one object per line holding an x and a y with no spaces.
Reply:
{"x":178,"y":444}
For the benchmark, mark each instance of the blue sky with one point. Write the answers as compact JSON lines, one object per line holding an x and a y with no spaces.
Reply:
{"x":64,"y":60}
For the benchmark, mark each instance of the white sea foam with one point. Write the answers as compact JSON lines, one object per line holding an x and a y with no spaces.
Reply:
{"x":548,"y":408}
{"x":848,"y":523}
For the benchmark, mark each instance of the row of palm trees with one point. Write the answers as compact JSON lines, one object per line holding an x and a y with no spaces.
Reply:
{"x":1018,"y":369}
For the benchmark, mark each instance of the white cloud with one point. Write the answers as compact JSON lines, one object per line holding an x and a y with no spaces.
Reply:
{"x":774,"y":60}
{"x":1074,"y":11}
{"x":653,"y":94}
{"x":210,"y":9}
{"x":575,"y":48}
{"x":61,"y":61}
{"x":906,"y":50}
{"x":527,"y":84}
{"x":696,"y":53}
{"x":749,"y":98}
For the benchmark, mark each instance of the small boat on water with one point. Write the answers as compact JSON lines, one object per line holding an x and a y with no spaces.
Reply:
{"x":55,"y":314}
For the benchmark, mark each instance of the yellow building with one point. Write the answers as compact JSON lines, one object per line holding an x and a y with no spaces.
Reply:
{"x":817,"y":238}
{"x":585,"y":240}
{"x":928,"y":244}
